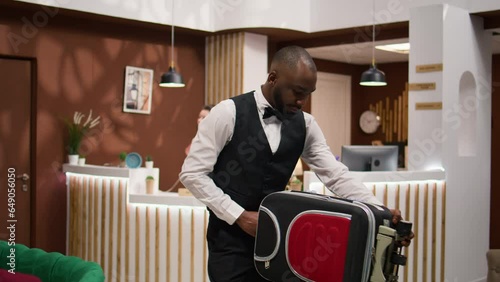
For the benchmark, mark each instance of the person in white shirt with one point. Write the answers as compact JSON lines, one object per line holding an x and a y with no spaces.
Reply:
{"x":247,"y":148}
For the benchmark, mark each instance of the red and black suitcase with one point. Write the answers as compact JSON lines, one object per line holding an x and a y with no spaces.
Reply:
{"x":311,"y":237}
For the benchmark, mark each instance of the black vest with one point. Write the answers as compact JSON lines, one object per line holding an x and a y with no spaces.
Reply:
{"x":246,"y":169}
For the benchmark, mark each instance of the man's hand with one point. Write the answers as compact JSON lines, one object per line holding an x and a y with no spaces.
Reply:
{"x":248,"y":222}
{"x":396,"y":218}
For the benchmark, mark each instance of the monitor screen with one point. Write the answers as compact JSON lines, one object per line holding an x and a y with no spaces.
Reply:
{"x":370,"y":158}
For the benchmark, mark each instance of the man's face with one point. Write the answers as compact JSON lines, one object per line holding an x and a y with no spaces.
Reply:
{"x":292,"y":88}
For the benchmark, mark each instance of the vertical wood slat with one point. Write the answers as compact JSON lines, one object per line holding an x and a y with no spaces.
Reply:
{"x":121,"y":204}
{"x":79,"y":219}
{"x":103,"y":225}
{"x":84,"y":217}
{"x":111,"y":229}
{"x":205,"y":224}
{"x":434,"y":231}
{"x":169,"y":226}
{"x":443,"y":232}
{"x":127,"y":242}
{"x":148,"y":225}
{"x":426,"y":227}
{"x":415,"y":228}
{"x":137,"y":243}
{"x":406,"y":252}
{"x":96,"y":221}
{"x":72,"y":217}
{"x":224,"y":67}
{"x":192,"y":247}
{"x":92,"y":213}
{"x":157,"y":245}
{"x":179,"y":243}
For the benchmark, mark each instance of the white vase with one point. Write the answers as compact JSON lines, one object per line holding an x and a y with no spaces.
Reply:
{"x":148,"y":164}
{"x":81,"y":161}
{"x":73,"y":159}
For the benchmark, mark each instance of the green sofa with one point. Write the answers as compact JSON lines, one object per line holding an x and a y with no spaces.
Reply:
{"x":50,"y":267}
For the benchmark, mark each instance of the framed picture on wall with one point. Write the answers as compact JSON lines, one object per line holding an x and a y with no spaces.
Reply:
{"x":138,"y":90}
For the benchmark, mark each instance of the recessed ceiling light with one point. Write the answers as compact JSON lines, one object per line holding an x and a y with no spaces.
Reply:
{"x":402,"y":48}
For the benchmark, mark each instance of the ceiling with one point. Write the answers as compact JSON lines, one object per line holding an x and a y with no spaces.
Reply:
{"x":361,"y":53}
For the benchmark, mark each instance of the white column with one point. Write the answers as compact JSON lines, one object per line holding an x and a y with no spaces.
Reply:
{"x":457,"y":137}
{"x":254,"y":61}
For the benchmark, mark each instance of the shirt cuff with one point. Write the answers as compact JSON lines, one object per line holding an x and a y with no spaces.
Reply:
{"x":232,"y":213}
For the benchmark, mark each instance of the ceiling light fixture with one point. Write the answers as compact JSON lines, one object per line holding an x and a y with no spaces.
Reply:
{"x":373,"y":76}
{"x":172,"y":78}
{"x":401,"y":48}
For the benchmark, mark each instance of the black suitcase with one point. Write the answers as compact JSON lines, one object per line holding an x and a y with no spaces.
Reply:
{"x":311,"y":237}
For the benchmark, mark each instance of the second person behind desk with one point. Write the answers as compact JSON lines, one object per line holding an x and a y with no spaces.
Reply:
{"x":203,"y":113}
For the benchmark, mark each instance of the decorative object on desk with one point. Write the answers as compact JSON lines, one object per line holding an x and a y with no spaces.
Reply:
{"x":81,"y":159}
{"x":138,"y":90}
{"x":184,"y":192}
{"x":122,"y":156}
{"x":149,"y":161}
{"x":133,"y":160}
{"x":295,"y":183}
{"x":73,"y":159}
{"x":150,"y":184}
{"x":76,"y":132}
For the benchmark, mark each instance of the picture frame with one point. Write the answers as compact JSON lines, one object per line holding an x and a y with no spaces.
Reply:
{"x":138,"y":90}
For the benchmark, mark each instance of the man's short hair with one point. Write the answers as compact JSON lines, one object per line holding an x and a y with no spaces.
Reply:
{"x":291,"y":55}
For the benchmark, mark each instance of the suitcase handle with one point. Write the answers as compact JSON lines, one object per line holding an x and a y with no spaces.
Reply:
{"x":278,"y":238}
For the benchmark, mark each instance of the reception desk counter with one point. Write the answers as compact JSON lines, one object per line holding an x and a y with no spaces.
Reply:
{"x":161,"y":237}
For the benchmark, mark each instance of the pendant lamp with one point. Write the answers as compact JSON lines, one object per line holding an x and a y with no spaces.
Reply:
{"x":172,"y":78}
{"x":373,"y":76}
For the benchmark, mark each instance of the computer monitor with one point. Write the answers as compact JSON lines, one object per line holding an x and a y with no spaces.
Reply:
{"x":370,"y":158}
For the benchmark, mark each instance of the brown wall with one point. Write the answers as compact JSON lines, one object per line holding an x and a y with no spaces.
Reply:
{"x":362,"y":97}
{"x":80,"y":66}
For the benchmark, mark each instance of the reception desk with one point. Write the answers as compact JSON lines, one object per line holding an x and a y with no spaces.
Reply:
{"x":161,"y":237}
{"x":134,"y":237}
{"x":421,"y":197}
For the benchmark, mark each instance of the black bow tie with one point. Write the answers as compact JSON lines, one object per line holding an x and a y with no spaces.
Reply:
{"x":269,"y":112}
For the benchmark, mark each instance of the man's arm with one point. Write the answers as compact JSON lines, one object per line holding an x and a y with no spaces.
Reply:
{"x":331,"y":172}
{"x":334,"y":174}
{"x":213,"y":134}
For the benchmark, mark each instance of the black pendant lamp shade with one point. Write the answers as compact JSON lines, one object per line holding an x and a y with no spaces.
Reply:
{"x":171,"y":79}
{"x":373,"y":77}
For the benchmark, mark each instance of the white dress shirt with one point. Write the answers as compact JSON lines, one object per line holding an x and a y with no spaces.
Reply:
{"x":216,"y":130}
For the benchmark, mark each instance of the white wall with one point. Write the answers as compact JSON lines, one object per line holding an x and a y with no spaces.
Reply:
{"x":457,"y":137}
{"x":302,"y":15}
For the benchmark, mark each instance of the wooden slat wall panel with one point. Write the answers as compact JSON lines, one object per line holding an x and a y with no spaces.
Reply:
{"x":422,"y":203}
{"x":224,"y":66}
{"x":134,"y":242}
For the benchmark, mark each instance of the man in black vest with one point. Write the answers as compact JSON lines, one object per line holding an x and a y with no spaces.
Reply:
{"x":247,"y":148}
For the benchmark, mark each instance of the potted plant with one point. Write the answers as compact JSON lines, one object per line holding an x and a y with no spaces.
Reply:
{"x":122,"y":156}
{"x":81,"y":159}
{"x":149,"y":161}
{"x":76,"y":131}
{"x":150,"y":184}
